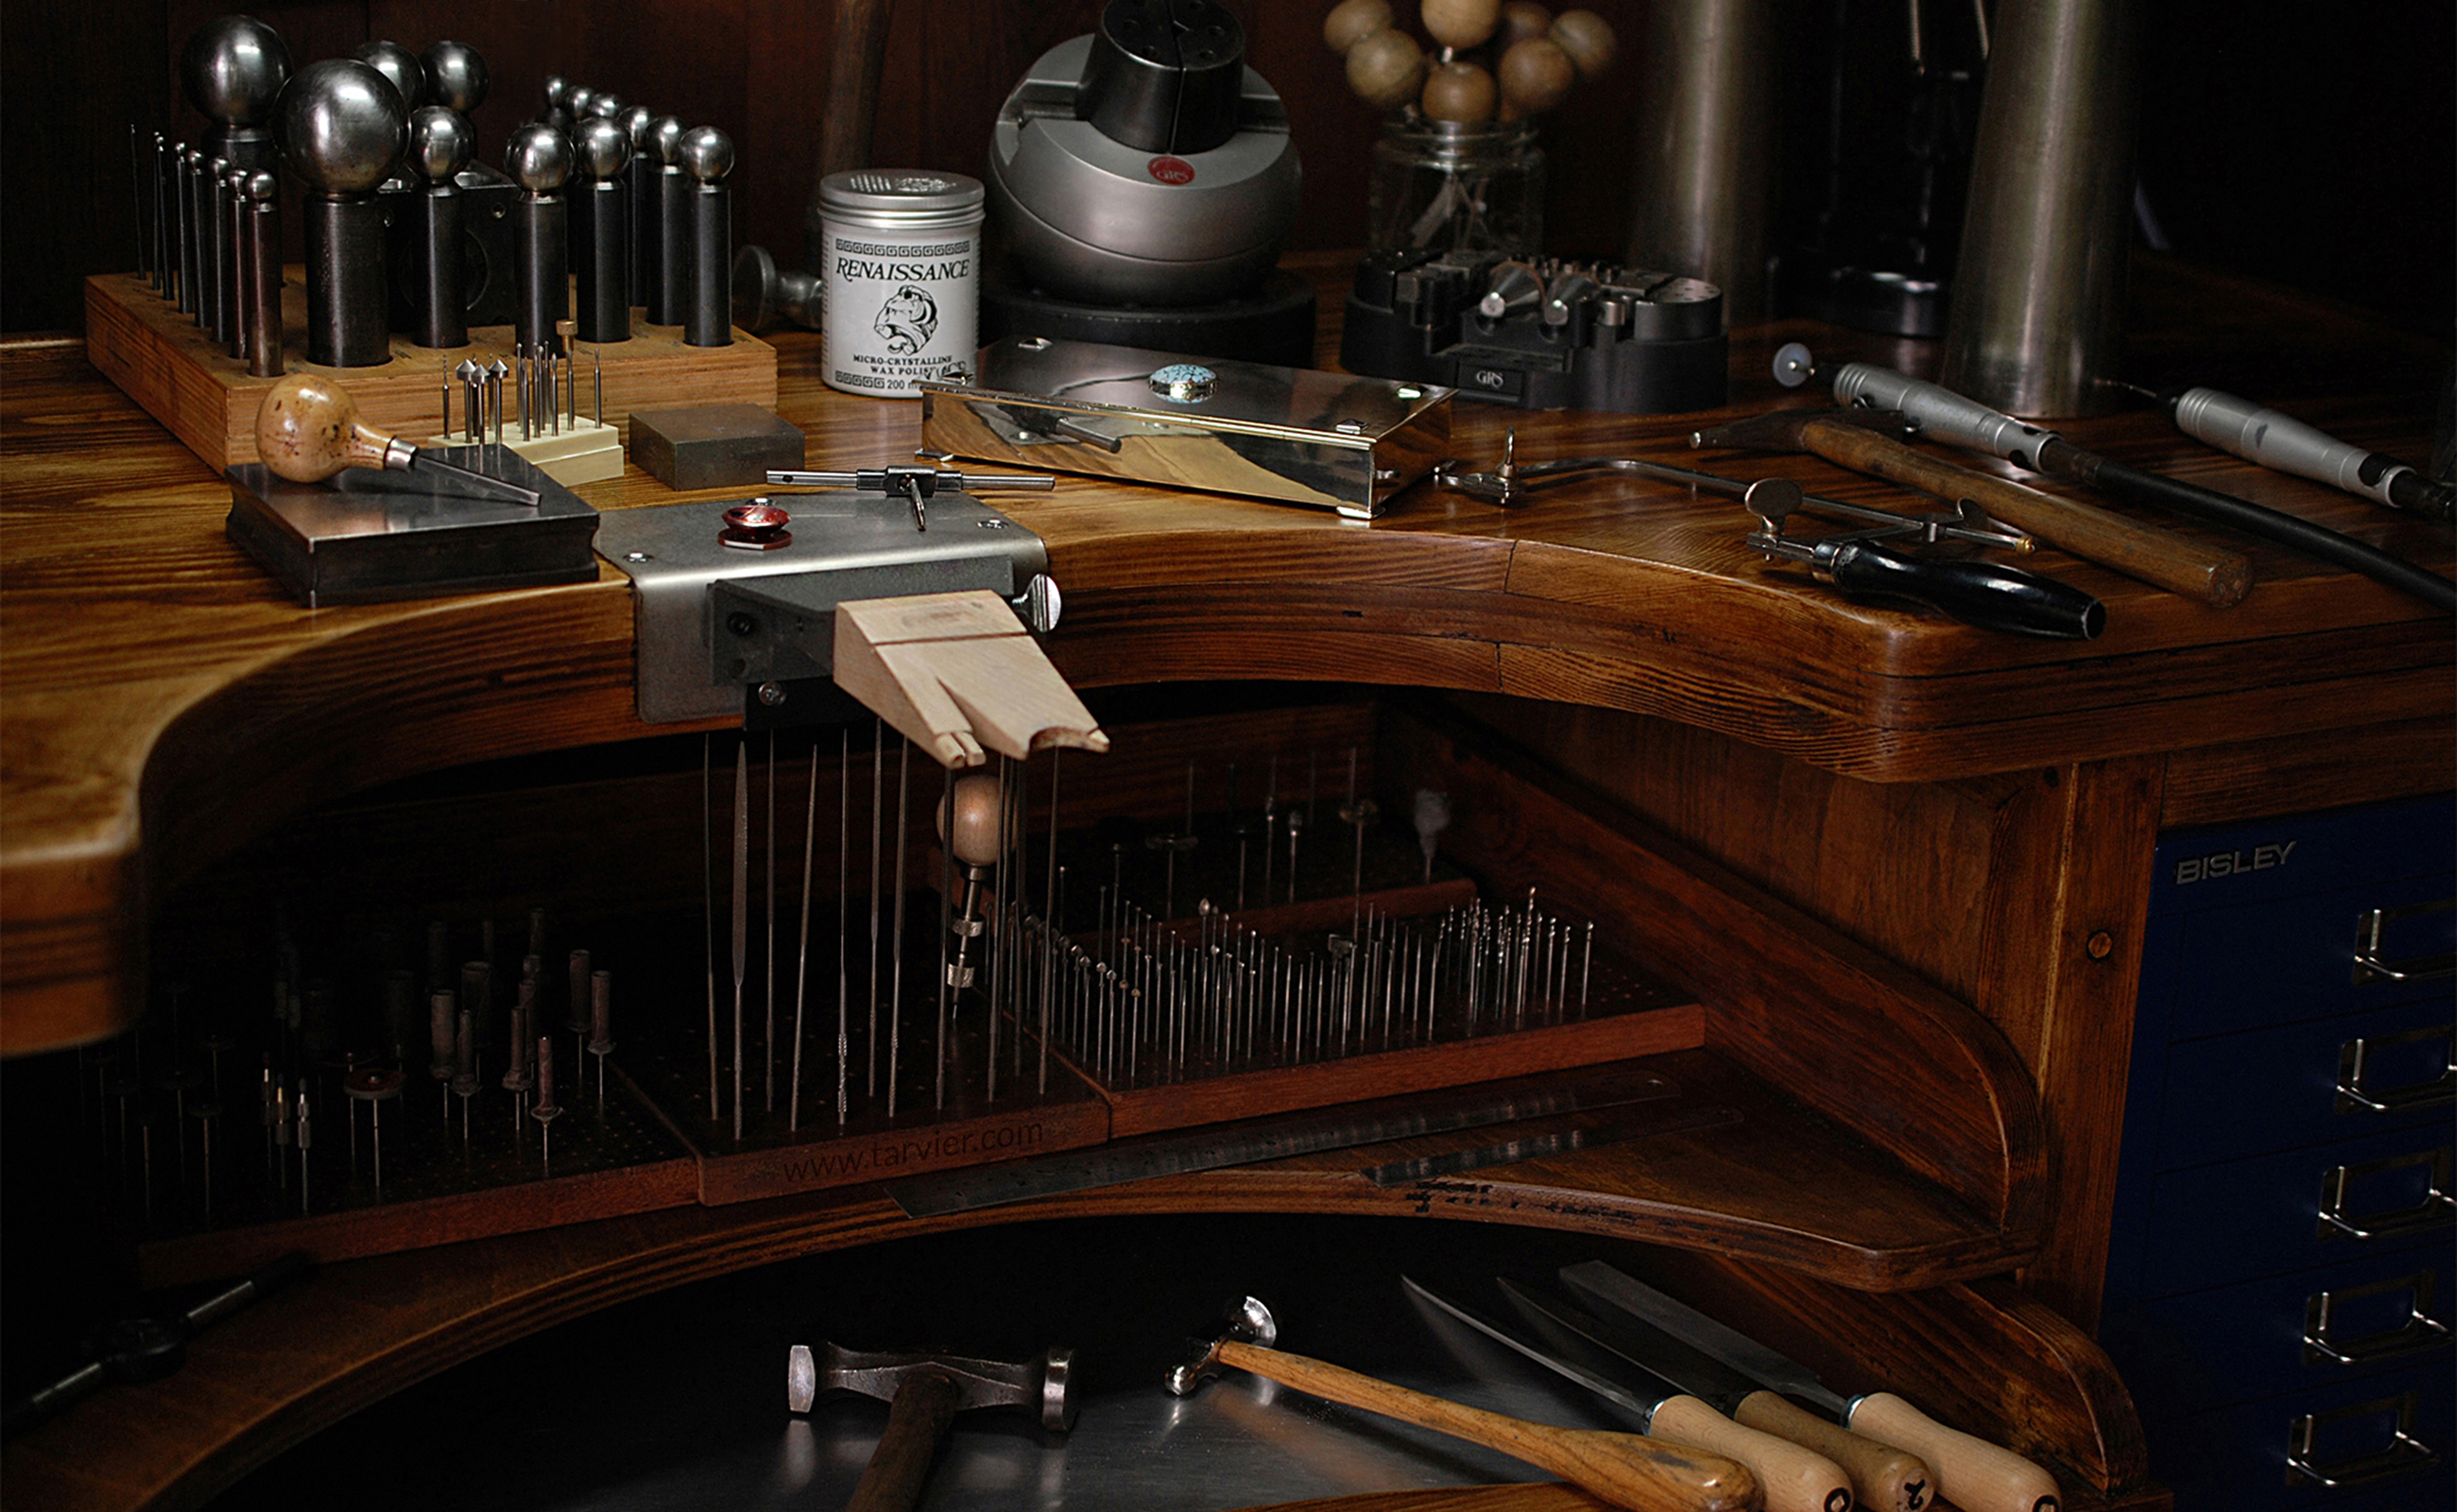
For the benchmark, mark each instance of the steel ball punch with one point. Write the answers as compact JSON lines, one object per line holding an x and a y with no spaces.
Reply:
{"x":344,"y":128}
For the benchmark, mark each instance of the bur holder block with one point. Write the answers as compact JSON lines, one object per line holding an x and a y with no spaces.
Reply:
{"x":713,"y":445}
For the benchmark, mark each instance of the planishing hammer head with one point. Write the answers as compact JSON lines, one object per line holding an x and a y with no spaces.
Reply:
{"x":1043,"y":1386}
{"x":1245,"y":1320}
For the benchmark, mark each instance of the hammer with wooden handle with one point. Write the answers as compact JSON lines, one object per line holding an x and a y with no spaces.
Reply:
{"x":2215,"y":576}
{"x":1623,"y":1468}
{"x":926,"y":1391}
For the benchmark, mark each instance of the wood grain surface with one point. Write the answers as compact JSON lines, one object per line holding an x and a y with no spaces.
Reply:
{"x":1934,"y":792}
{"x":1780,"y":1186}
{"x":1619,"y":595}
{"x":1623,"y":1468}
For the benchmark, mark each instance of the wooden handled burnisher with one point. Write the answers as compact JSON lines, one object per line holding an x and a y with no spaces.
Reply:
{"x":308,"y":429}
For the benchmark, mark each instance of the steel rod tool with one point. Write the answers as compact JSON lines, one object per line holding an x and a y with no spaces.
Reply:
{"x":1791,"y":1477}
{"x":1372,"y":1123}
{"x":1970,"y":1472}
{"x":1623,"y":1468}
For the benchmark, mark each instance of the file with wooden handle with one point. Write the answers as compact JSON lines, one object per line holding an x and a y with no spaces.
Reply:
{"x":1635,"y":1375}
{"x":1793,"y":1479}
{"x":1885,"y":1477}
{"x":1970,"y":1472}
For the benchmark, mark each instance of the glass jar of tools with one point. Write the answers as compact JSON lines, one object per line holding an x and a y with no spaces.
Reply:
{"x":1439,"y":186}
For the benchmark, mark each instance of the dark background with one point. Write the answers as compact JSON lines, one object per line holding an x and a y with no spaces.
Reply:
{"x":2313,"y":146}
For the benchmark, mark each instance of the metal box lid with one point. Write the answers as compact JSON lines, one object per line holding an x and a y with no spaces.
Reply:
{"x":1291,"y":435}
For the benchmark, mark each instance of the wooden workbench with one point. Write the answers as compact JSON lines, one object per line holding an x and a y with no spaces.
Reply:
{"x":1977,"y":808}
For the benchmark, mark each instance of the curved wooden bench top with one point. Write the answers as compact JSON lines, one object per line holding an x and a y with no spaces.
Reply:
{"x":162,"y":700}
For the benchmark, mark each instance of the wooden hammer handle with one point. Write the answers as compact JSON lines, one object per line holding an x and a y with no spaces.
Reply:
{"x":1623,"y":1468}
{"x":899,"y":1467}
{"x":2217,"y":577}
{"x":1793,"y":1478}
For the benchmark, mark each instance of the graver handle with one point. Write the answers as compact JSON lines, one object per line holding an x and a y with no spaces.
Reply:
{"x":1972,"y":1473}
{"x":1883,"y":1478}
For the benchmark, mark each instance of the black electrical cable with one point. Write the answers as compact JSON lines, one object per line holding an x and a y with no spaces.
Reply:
{"x":2061,"y":459}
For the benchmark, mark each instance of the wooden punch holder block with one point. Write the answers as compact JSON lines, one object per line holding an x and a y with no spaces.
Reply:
{"x":175,"y":370}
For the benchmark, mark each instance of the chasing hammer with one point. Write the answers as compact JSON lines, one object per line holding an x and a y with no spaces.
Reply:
{"x":2214,"y":577}
{"x":1623,"y":1468}
{"x":924,"y":1393}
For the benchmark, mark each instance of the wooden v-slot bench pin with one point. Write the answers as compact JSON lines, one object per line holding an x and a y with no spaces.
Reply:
{"x":956,"y":673}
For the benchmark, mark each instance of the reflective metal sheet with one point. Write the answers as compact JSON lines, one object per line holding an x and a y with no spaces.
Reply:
{"x":1292,"y":435}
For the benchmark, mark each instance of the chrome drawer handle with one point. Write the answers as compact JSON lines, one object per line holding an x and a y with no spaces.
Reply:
{"x":2368,"y":965}
{"x":2356,"y":1056}
{"x":2417,"y":1331}
{"x":2436,"y":1209}
{"x":2402,"y":1453}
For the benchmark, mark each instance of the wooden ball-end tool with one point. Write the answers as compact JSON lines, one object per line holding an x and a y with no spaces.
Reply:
{"x":308,"y":430}
{"x":1623,"y":1468}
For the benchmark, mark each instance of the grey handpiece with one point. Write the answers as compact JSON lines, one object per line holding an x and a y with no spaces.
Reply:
{"x":2289,"y":445}
{"x":1942,"y":413}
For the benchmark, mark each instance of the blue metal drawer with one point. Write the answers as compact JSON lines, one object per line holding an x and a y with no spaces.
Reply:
{"x":2302,"y":854}
{"x":2369,"y":1436}
{"x":2286,"y":1332}
{"x":2213,"y":1225}
{"x":2302,"y":1084}
{"x":2293,"y":958}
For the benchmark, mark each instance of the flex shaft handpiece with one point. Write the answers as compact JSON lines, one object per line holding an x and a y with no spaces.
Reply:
{"x":2287,"y":444}
{"x":1948,"y":417}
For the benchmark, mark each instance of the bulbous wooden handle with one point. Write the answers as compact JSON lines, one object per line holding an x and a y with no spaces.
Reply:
{"x":1791,"y":1477}
{"x":1970,"y":1473}
{"x":308,"y":430}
